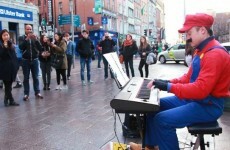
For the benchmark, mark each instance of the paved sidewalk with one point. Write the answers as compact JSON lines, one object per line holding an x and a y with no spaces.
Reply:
{"x":79,"y":118}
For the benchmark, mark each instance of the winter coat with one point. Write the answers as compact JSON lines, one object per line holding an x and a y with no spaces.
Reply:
{"x":45,"y":48}
{"x":30,"y":48}
{"x":146,"y":50}
{"x":85,"y":48}
{"x":60,"y":50}
{"x":107,"y":46}
{"x":8,"y":63}
{"x":129,"y":51}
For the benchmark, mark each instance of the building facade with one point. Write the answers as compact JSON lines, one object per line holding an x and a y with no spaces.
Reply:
{"x":15,"y":14}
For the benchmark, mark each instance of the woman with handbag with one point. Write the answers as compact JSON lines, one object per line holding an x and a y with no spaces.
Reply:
{"x":60,"y":64}
{"x":45,"y":62}
{"x":144,"y":50}
{"x":8,"y":66}
{"x":128,"y":49}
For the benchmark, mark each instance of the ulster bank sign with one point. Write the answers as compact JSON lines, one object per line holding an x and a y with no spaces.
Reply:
{"x":7,"y":12}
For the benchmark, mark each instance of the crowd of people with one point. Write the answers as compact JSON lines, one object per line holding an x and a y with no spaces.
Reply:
{"x":36,"y":55}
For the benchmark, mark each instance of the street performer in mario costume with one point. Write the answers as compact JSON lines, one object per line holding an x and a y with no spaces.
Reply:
{"x":199,"y":94}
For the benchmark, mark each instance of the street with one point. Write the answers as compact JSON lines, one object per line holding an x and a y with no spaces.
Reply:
{"x":81,"y":118}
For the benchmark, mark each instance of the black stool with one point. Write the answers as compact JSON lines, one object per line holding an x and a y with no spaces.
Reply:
{"x":200,"y":129}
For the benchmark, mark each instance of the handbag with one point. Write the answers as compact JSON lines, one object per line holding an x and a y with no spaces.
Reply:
{"x":151,"y":59}
{"x":57,"y":60}
{"x":121,"y":59}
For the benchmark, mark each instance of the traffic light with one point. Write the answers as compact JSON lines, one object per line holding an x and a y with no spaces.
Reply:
{"x":150,"y":32}
{"x":145,"y":32}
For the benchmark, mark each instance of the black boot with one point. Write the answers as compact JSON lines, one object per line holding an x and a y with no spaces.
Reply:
{"x":48,"y":86}
{"x":44,"y":88}
{"x":13,"y":103}
{"x":6,"y":102}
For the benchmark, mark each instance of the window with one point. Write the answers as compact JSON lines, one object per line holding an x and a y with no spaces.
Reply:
{"x":182,"y":46}
{"x":60,"y":7}
{"x":131,"y":28}
{"x":39,"y":2}
{"x":130,"y":12}
{"x":44,"y":2}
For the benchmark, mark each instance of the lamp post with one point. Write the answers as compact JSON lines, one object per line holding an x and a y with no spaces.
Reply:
{"x":123,"y":22}
{"x":71,"y":5}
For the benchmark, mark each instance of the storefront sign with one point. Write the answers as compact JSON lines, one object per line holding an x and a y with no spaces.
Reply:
{"x":50,"y":12}
{"x":98,"y":6}
{"x":7,"y":12}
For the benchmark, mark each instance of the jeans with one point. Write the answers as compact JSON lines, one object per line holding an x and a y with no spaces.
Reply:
{"x":69,"y":63}
{"x":129,"y":63}
{"x":177,"y":113}
{"x":99,"y":59}
{"x":106,"y":66}
{"x":46,"y":72}
{"x":32,"y":66}
{"x":141,"y":65}
{"x":87,"y":62}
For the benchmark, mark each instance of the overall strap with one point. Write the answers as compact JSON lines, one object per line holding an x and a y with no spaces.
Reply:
{"x":217,"y":46}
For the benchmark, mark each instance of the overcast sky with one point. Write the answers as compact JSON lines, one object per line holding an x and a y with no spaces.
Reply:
{"x":174,"y":13}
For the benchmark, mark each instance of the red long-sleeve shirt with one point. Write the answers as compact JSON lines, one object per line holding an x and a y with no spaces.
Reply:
{"x":213,"y":78}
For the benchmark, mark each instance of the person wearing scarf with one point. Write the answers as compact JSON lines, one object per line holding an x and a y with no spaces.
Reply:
{"x":128,"y":49}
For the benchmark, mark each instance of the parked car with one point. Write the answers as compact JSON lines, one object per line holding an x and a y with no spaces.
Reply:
{"x":175,"y":53}
{"x":226,"y":45}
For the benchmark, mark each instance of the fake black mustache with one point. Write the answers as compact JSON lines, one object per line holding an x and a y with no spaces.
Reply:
{"x":189,"y":40}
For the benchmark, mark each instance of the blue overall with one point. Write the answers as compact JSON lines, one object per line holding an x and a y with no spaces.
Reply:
{"x":179,"y":113}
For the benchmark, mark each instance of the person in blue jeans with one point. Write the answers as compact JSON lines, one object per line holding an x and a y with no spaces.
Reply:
{"x":30,"y":47}
{"x":70,"y":52}
{"x":199,"y":94}
{"x":86,"y":51}
{"x":19,"y":56}
{"x":99,"y":55}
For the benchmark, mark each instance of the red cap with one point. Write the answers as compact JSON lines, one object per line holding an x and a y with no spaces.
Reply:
{"x":199,"y":19}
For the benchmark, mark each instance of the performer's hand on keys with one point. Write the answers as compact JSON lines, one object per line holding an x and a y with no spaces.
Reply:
{"x":150,"y":84}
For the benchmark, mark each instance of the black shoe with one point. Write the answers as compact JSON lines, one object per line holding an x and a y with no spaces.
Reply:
{"x":39,"y":96}
{"x":44,"y":88}
{"x":18,"y":85}
{"x":5,"y":101}
{"x":13,"y":103}
{"x":26,"y":98}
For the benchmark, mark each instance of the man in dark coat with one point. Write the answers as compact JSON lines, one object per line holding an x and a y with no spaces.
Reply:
{"x":30,"y":46}
{"x":107,"y":45}
{"x":86,"y":51}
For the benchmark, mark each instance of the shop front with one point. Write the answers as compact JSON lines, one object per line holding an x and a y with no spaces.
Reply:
{"x":15,"y":17}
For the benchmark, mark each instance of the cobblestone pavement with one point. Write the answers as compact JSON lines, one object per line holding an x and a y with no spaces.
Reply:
{"x":80,"y":118}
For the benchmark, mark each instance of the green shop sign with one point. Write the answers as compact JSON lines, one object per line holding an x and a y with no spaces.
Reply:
{"x":98,"y":6}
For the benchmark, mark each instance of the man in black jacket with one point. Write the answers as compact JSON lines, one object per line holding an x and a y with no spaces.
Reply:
{"x":30,"y":47}
{"x":86,"y":51}
{"x":107,"y":45}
